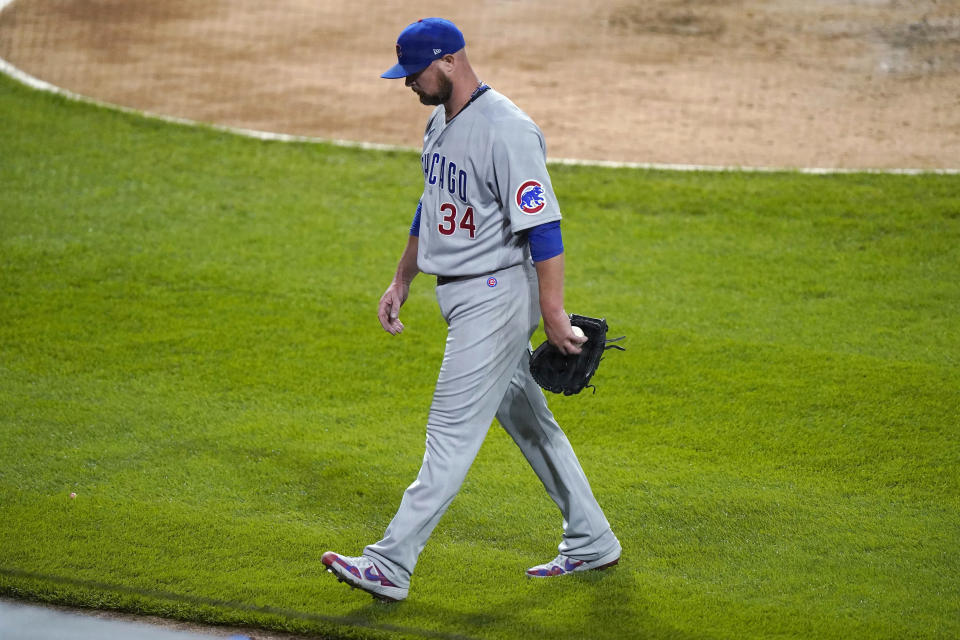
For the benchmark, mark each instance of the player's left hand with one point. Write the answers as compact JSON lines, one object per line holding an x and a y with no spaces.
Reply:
{"x":560,"y":334}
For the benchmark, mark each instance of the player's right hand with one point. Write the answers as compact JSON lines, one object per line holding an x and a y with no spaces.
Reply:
{"x":389,"y":309}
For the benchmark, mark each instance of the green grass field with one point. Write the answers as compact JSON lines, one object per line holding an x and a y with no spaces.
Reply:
{"x":188,"y":341}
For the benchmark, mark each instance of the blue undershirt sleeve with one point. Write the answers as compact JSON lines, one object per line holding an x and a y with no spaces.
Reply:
{"x":415,"y":227}
{"x":545,"y":241}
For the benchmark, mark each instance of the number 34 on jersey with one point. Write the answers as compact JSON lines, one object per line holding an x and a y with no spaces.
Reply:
{"x":439,"y":172}
{"x":453,"y":221}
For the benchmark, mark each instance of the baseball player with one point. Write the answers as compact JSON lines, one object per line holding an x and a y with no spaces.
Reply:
{"x":488,"y":227}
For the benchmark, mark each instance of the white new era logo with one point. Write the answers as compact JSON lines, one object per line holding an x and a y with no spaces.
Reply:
{"x":436,"y":52}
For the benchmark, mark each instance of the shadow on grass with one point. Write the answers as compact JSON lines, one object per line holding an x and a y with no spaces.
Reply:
{"x":616,"y":609}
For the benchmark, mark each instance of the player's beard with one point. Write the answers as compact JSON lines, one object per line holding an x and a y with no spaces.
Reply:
{"x":443,"y":93}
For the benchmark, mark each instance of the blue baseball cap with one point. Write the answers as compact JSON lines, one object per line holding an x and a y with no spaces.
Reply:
{"x":423,"y":42}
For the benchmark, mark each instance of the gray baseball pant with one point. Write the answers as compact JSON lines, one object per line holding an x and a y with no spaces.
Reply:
{"x":485,"y":374}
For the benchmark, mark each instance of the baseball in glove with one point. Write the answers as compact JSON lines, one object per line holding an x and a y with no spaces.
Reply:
{"x":570,"y":374}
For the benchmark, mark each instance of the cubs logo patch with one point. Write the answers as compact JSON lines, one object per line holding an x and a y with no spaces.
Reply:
{"x":530,"y":197}
{"x":491,"y":282}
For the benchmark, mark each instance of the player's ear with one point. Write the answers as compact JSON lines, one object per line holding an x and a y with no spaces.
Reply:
{"x":448,"y":61}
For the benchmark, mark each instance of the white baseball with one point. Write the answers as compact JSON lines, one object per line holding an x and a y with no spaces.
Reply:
{"x":577,"y":331}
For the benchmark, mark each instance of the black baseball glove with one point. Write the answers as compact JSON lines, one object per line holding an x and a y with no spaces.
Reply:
{"x":570,"y":374}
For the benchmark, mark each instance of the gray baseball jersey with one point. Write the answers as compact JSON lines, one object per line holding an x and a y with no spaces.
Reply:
{"x":485,"y":180}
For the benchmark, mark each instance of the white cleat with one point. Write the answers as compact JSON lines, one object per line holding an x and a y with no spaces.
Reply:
{"x":562,"y":565}
{"x":362,"y":573}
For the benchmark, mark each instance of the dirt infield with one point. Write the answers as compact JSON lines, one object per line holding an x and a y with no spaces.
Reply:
{"x":824,"y":83}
